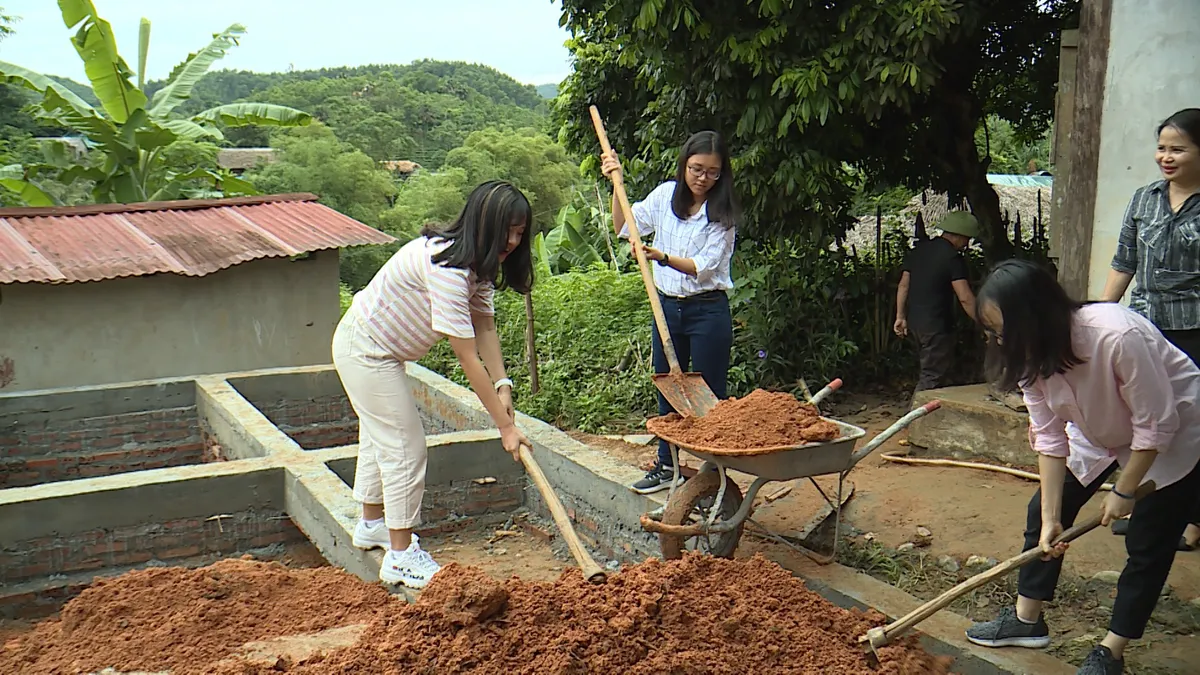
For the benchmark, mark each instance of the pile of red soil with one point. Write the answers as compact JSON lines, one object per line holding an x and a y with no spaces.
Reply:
{"x":761,"y":419}
{"x":182,"y":620}
{"x":695,"y":615}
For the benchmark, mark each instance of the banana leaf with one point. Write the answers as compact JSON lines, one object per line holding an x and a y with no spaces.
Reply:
{"x":107,"y":71}
{"x":185,"y":76}
{"x":265,"y":114}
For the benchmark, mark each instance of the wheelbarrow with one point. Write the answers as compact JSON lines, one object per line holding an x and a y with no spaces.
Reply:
{"x":708,"y":512}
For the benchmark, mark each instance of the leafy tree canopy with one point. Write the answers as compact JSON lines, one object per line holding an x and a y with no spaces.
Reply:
{"x":809,"y":91}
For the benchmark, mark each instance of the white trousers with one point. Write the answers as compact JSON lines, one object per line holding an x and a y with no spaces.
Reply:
{"x":391,"y":442}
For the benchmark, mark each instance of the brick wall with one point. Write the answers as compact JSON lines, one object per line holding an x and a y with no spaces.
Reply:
{"x":101,"y":549}
{"x":326,"y":421}
{"x":314,"y":423}
{"x":32,"y":453}
{"x":468,"y":498}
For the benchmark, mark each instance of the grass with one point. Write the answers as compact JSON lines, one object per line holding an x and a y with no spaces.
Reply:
{"x":1078,"y":617}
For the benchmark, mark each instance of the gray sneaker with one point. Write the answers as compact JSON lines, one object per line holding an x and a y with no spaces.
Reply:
{"x":1008,"y":631}
{"x":657,"y":479}
{"x":1101,"y":662}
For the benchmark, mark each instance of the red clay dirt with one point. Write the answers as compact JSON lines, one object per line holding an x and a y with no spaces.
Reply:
{"x":760,"y":419}
{"x":182,"y":620}
{"x":695,"y":615}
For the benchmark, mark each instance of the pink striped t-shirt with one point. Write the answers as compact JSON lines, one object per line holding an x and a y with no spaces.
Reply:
{"x":413,"y":302}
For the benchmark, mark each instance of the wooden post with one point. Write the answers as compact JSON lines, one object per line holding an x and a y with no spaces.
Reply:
{"x":531,"y":344}
{"x":1079,"y":191}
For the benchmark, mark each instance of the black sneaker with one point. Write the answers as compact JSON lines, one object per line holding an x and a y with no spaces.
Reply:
{"x":1101,"y":662}
{"x":1009,"y":631}
{"x":657,"y":479}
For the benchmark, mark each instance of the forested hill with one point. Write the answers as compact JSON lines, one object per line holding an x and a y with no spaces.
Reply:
{"x":417,"y":112}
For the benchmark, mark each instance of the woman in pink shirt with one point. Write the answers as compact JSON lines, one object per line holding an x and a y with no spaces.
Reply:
{"x":1107,"y":376}
{"x":436,"y":286}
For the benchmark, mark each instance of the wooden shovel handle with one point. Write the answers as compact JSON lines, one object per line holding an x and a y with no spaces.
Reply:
{"x":618,"y":181}
{"x":930,"y":608}
{"x":591,"y":570}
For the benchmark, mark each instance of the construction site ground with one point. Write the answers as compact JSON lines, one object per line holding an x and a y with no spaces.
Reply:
{"x":967,"y":513}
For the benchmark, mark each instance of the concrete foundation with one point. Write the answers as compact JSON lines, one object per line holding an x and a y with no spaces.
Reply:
{"x":280,"y":445}
{"x":971,"y":425}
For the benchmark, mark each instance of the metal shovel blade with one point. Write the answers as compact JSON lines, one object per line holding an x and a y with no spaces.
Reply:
{"x":687,"y":393}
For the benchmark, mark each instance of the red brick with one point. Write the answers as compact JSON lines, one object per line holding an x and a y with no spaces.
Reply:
{"x":43,"y":463}
{"x":181,"y":552}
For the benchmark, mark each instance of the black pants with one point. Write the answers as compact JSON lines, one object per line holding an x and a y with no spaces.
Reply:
{"x":936,"y":351}
{"x":702,"y":329}
{"x":1155,"y":526}
{"x":1188,"y":342}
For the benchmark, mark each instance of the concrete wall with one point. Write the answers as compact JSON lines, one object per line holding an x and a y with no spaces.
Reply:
{"x":260,"y":314}
{"x":1153,"y":71}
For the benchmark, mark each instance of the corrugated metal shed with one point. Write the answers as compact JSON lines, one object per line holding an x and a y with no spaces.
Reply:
{"x":192,"y":238}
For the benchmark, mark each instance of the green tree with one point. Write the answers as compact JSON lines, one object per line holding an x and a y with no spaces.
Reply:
{"x":312,"y":159}
{"x":807,"y":91}
{"x":132,"y":132}
{"x":527,"y":158}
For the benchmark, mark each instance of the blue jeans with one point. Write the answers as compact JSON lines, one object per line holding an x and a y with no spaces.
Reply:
{"x":702,"y":329}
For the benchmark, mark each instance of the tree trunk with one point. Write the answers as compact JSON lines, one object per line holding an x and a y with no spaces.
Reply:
{"x":531,"y":344}
{"x":972,"y":171}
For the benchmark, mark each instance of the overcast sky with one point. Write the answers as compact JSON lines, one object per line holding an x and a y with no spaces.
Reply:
{"x":517,"y":37}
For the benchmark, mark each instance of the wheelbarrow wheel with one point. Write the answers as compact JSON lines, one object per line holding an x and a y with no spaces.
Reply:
{"x":694,"y":500}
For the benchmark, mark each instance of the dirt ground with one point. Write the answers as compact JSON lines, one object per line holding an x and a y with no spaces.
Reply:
{"x":968,"y":513}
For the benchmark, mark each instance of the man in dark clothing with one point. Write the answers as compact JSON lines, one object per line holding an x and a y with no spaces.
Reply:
{"x":935,"y":272}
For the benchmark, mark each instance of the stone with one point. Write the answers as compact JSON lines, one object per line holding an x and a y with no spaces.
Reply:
{"x":905,"y":547}
{"x":613,"y":565}
{"x":1107,"y":577}
{"x":947,"y":563}
{"x":981,"y":562}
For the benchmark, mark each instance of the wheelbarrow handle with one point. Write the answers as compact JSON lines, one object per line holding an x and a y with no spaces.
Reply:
{"x":826,"y":391}
{"x":900,"y":424}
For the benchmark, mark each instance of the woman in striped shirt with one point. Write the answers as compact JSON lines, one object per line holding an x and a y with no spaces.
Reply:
{"x":693,"y":220}
{"x":439,"y":285}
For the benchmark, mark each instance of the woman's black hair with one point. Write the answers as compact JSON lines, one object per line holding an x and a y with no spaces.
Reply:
{"x":480,"y":235}
{"x":1035,"y":341}
{"x":1186,"y":121}
{"x":722,"y":205}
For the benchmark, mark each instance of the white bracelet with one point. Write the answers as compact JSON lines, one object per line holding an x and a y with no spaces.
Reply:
{"x":503,"y":382}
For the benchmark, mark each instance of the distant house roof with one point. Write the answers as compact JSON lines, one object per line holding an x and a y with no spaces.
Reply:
{"x":1012,"y":180}
{"x":192,"y":238}
{"x":400,"y":165}
{"x":244,"y":158}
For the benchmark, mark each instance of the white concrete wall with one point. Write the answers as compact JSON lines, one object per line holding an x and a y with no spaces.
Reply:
{"x":1153,"y":71}
{"x":261,"y":314}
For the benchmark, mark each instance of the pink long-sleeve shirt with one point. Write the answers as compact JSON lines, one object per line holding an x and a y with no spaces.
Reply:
{"x":1134,"y":391}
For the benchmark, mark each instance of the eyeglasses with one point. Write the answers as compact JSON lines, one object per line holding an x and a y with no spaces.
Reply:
{"x":701,"y":172}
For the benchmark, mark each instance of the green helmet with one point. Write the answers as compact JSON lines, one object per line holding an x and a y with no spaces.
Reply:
{"x":960,"y":222}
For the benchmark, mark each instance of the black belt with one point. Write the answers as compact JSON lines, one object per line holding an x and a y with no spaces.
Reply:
{"x":707,"y":296}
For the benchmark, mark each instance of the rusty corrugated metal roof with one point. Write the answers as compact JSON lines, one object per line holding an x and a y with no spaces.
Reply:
{"x":191,"y":238}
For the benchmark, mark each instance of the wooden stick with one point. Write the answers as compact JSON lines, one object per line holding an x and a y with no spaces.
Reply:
{"x":922,"y":461}
{"x":591,"y":571}
{"x":878,"y":637}
{"x":656,"y":309}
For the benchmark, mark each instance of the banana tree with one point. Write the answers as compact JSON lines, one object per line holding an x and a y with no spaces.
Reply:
{"x":130,"y":131}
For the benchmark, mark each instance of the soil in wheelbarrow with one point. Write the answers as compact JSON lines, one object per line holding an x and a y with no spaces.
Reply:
{"x":695,"y":615}
{"x":761,"y":419}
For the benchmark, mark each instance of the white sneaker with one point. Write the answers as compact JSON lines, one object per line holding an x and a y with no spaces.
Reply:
{"x":374,"y":536}
{"x":411,"y":567}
